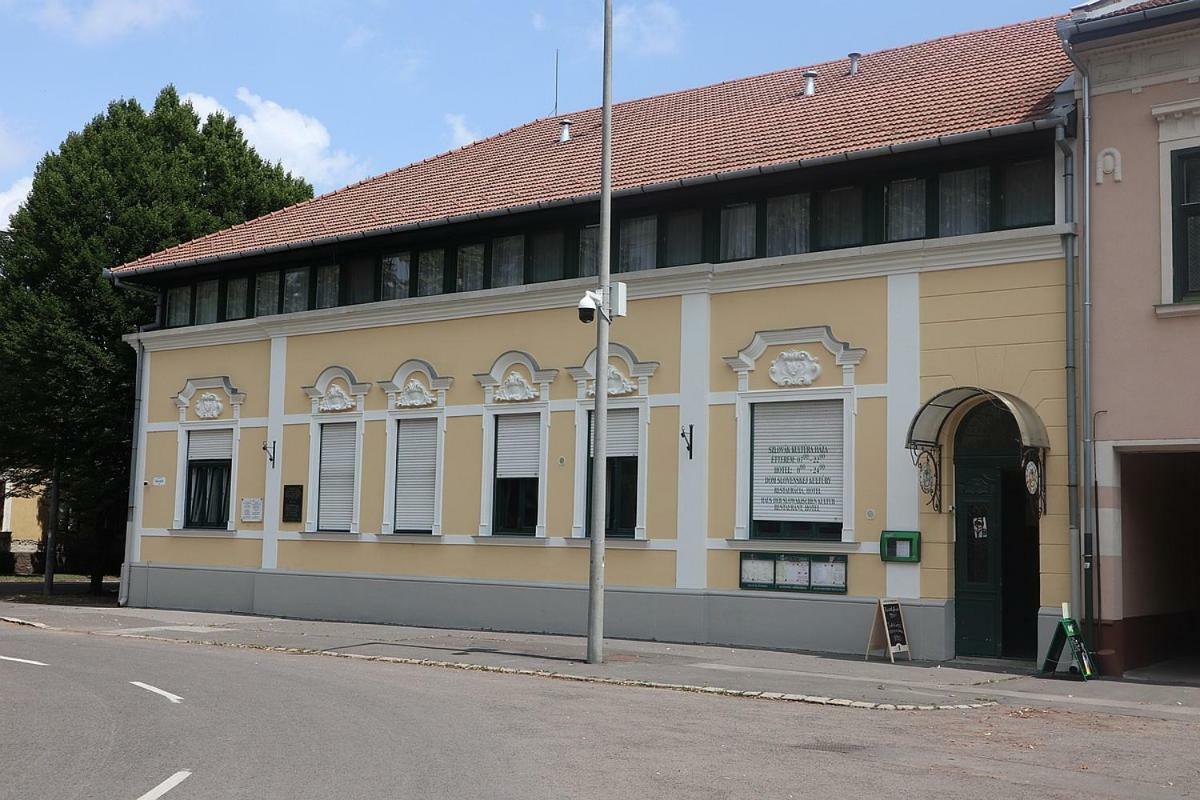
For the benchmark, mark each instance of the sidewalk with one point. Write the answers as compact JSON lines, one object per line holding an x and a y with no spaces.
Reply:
{"x":845,"y":680}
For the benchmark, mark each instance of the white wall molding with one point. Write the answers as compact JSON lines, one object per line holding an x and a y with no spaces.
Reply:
{"x":801,"y":368}
{"x":330,"y":406}
{"x":903,"y":402}
{"x":272,"y":505}
{"x":691,"y":501}
{"x":488,"y":476}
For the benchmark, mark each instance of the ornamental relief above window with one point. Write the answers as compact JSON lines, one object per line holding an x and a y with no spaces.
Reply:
{"x":416,"y":385}
{"x":206,"y":399}
{"x":626,"y":376}
{"x":516,"y":377}
{"x":336,"y":391}
{"x":793,"y":366}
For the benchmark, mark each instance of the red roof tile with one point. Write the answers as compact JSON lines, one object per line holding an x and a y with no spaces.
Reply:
{"x":1142,"y":6}
{"x":952,"y":85}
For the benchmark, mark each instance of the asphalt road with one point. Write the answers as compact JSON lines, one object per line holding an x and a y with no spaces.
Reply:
{"x":255,"y":724}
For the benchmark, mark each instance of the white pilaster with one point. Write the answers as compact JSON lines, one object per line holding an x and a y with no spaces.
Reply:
{"x":903,"y":400}
{"x":691,"y":556}
{"x":273,"y":491}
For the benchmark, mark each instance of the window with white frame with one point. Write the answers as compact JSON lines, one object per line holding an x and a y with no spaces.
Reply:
{"x":416,"y":474}
{"x":335,"y":476}
{"x":621,"y":474}
{"x":518,"y":471}
{"x":209,"y":473}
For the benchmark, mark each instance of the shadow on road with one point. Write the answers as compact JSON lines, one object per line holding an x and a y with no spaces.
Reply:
{"x":66,"y":592}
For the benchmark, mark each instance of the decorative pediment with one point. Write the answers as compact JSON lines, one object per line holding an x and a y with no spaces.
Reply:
{"x":514,"y":389}
{"x":504,"y":384}
{"x":795,"y":367}
{"x":617,"y":384}
{"x":416,"y":384}
{"x":208,"y":404}
{"x":634,"y":379}
{"x":336,"y":391}
{"x":413,"y":395}
{"x":335,"y":399}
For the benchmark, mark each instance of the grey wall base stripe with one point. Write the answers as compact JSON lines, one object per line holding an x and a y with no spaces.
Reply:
{"x":833,"y":624}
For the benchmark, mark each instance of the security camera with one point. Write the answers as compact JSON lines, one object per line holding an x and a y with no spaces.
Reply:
{"x":587,"y":307}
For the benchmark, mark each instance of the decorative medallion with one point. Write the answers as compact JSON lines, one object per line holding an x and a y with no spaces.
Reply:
{"x":618,"y":384}
{"x":1033,"y":478}
{"x":335,"y":399}
{"x":209,"y":406}
{"x":514,"y":388}
{"x":413,"y":395}
{"x":794,"y":368}
{"x":926,"y":472}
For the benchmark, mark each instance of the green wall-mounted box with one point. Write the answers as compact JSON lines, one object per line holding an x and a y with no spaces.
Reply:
{"x":900,"y":546}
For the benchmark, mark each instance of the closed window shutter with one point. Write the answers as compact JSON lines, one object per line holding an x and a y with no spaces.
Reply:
{"x":335,"y":492}
{"x":210,"y":445}
{"x":518,"y":445}
{"x":622,"y":433}
{"x":416,"y":474}
{"x":797,"y":461}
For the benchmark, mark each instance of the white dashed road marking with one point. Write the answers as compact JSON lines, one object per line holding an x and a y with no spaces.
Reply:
{"x":22,"y":661}
{"x":174,"y":698}
{"x":166,"y":786}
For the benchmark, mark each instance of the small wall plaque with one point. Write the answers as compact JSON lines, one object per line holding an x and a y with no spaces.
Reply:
{"x":293,"y":501}
{"x":252,"y":509}
{"x":159,"y":480}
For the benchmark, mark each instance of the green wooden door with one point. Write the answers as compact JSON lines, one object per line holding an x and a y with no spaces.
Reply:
{"x":977,"y":589}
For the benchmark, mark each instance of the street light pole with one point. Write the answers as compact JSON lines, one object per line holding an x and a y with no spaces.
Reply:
{"x":595,"y":642}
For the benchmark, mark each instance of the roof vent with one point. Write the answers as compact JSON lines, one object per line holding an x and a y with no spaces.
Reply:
{"x":854,"y":58}
{"x":564,"y":135}
{"x":810,"y":82}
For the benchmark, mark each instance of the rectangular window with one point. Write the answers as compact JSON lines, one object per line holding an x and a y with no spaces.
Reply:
{"x":1185,"y":201}
{"x":431,"y":272}
{"x":787,"y":225}
{"x":207,"y":301}
{"x":396,"y":275}
{"x":508,"y":261}
{"x":738,"y":231}
{"x":335,"y":479}
{"x":360,"y":280}
{"x":589,"y":251}
{"x":210,"y":464}
{"x":1028,"y":193}
{"x":905,"y":200}
{"x":416,"y":475}
{"x":328,"y":278}
{"x":266,"y":294}
{"x":518,"y":452}
{"x":684,"y":237}
{"x":621,"y":477}
{"x":639,"y":244}
{"x":964,"y":201}
{"x":470,"y":268}
{"x":295,"y":290}
{"x":840,"y":218}
{"x":236,"y":291}
{"x":796,"y":470}
{"x":179,"y":306}
{"x":545,"y":256}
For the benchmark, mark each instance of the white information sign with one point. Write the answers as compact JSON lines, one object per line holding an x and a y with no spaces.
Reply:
{"x":252,"y":509}
{"x":792,"y":572}
{"x":797,"y":461}
{"x":828,"y":573}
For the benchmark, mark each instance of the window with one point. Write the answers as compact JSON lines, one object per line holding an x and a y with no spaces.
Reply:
{"x":266,"y":294}
{"x":508,"y":261}
{"x":207,"y":294}
{"x":787,"y":225}
{"x":431,"y":271}
{"x":210,"y":464}
{"x":396,"y":275}
{"x":589,"y":251}
{"x":621,"y":476}
{"x":360,"y":280}
{"x":964,"y":201}
{"x":518,"y":452}
{"x":335,"y":480}
{"x":236,"y":291}
{"x":416,"y":475}
{"x":796,"y":470}
{"x":1028,"y":193}
{"x":327,"y":285}
{"x":684,"y":237}
{"x":470,"y":268}
{"x":905,"y":200}
{"x":1185,"y":177}
{"x":639,"y":244}
{"x":840,"y":217}
{"x":545,"y":256}
{"x":737,"y":231}
{"x":295,"y":290}
{"x":179,"y":306}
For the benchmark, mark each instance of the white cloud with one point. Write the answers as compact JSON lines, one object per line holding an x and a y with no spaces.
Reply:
{"x":13,"y":151}
{"x":538,"y":21}
{"x":204,"y":105}
{"x":460,"y":134}
{"x":11,"y":199}
{"x":653,"y":28}
{"x":104,"y":20}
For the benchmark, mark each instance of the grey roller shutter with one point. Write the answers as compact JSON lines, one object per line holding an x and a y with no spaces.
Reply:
{"x":797,"y":461}
{"x":518,"y":445}
{"x":335,"y":482}
{"x":416,"y":474}
{"x":622,"y":432}
{"x":210,"y":445}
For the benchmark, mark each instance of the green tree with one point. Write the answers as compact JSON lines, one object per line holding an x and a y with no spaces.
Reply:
{"x":129,"y":184}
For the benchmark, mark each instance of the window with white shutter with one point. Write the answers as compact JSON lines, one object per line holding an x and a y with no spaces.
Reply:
{"x":416,"y":475}
{"x":335,"y":478}
{"x":621,"y":475}
{"x":518,"y":457}
{"x":796,"y":470}
{"x":209,"y":469}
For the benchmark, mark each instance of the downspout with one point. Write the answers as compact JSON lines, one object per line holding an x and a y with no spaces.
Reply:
{"x":1068,"y":151}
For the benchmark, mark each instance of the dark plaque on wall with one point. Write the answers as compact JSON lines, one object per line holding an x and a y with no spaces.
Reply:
{"x":293,"y":501}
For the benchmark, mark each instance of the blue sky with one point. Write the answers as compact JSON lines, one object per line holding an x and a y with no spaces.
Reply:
{"x":341,"y":89}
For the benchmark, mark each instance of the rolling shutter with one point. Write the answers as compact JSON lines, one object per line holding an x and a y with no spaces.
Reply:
{"x":797,"y":461}
{"x":518,"y":445}
{"x":416,"y":474}
{"x":335,"y":482}
{"x":210,"y":445}
{"x":622,"y":433}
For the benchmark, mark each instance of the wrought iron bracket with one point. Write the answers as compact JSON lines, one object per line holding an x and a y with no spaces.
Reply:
{"x":928,"y":461}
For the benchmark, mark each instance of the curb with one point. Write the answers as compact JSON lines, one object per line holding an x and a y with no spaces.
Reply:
{"x":17,"y":621}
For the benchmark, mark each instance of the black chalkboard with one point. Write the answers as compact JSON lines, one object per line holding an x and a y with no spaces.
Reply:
{"x":888,"y":631}
{"x":293,"y":499}
{"x":894,"y":622}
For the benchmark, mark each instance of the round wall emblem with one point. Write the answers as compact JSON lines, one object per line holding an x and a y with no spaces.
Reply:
{"x":1033,"y":478}
{"x":926,"y":472}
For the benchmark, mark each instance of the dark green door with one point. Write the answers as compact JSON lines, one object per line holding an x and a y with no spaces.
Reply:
{"x":978,"y":601}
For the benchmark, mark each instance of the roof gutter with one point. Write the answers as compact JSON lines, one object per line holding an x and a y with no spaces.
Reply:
{"x":1082,"y":30}
{"x":1047,"y":123}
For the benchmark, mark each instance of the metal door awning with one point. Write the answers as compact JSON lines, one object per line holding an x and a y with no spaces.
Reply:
{"x":926,"y":429}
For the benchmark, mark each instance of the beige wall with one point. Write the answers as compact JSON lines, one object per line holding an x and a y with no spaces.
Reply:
{"x":247,"y":365}
{"x":25,"y":518}
{"x":211,"y":551}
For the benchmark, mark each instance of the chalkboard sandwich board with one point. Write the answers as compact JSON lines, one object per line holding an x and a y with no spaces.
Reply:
{"x":1066,"y":635}
{"x":888,"y":631}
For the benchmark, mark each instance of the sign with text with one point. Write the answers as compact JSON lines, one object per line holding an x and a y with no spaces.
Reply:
{"x":793,"y":572}
{"x":888,"y":631}
{"x":252,"y":509}
{"x":797,"y":461}
{"x":293,"y":501}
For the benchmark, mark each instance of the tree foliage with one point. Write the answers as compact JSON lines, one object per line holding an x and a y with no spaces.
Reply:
{"x":129,"y":184}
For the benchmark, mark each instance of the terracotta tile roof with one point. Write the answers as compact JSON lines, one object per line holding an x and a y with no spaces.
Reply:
{"x":1143,"y":6}
{"x":952,"y":85}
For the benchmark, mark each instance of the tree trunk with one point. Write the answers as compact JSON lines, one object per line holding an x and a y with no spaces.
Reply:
{"x":51,"y":531}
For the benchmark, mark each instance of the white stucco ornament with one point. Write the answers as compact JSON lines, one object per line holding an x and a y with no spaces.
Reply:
{"x":618,"y":384}
{"x":413,"y":395}
{"x":336,"y":399}
{"x":514,"y":388}
{"x":794,"y":368}
{"x":209,"y":406}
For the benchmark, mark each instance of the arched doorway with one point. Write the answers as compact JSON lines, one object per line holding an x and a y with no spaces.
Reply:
{"x":996,"y":538}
